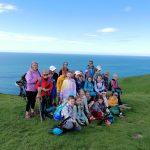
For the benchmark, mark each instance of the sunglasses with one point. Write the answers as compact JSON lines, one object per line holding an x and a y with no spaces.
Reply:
{"x":45,"y":74}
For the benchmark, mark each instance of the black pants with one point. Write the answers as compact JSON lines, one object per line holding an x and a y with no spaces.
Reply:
{"x":119,"y":99}
{"x":31,"y":96}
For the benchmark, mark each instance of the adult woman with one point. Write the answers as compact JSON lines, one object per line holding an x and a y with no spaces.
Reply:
{"x":31,"y":77}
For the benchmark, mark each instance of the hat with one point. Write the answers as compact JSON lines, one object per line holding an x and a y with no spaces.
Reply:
{"x":77,"y":72}
{"x":52,"y":68}
{"x":116,"y":94}
{"x":99,"y":68}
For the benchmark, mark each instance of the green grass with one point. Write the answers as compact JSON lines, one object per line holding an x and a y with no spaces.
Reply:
{"x":16,"y":133}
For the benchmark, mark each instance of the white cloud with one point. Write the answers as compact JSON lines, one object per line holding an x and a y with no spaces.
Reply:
{"x":10,"y":36}
{"x":107,"y":30}
{"x":128,"y":9}
{"x":6,"y":7}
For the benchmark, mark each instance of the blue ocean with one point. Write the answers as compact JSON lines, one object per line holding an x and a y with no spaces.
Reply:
{"x":14,"y":65}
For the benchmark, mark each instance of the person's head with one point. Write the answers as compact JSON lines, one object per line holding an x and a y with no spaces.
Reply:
{"x":99,"y":78}
{"x":64,"y":74}
{"x":100,"y":100}
{"x":69,"y":74}
{"x":89,"y":79}
{"x":65,"y":64}
{"x":51,"y":73}
{"x":81,"y":78}
{"x":71,"y":100}
{"x":87,"y":93}
{"x":115,"y":94}
{"x":90,"y":63}
{"x":115,"y":76}
{"x":98,"y":68}
{"x":34,"y":66}
{"x":107,"y":74}
{"x":78,"y":100}
{"x":45,"y":74}
{"x":52,"y":69}
{"x":81,"y":92}
{"x":77,"y":74}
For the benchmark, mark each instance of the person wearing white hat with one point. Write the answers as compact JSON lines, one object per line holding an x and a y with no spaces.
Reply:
{"x":52,"y":70}
{"x":97,"y":73}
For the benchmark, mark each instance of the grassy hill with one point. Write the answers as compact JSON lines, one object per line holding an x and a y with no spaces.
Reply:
{"x":17,"y":133}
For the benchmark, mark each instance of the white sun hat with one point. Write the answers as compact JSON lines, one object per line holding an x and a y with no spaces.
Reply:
{"x":52,"y":68}
{"x":99,"y":68}
{"x":77,"y":72}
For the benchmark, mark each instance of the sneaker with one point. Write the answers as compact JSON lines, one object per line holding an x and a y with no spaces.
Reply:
{"x":107,"y":122}
{"x":27,"y":117}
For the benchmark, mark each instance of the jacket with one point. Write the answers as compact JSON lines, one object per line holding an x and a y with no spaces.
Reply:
{"x":60,"y":81}
{"x":47,"y":84}
{"x":31,"y":78}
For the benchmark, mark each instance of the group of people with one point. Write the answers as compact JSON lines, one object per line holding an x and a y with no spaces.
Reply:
{"x":86,"y":95}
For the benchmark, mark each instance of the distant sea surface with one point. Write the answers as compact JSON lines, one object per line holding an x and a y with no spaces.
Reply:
{"x":14,"y":65}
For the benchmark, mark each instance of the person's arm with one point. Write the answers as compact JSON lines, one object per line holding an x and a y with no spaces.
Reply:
{"x":85,"y":86}
{"x":95,"y":87}
{"x":86,"y":105}
{"x":74,"y":89}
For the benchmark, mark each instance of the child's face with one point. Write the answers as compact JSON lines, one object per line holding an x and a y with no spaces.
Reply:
{"x":88,"y":94}
{"x":78,"y":101}
{"x":69,"y":75}
{"x":99,"y":78}
{"x":71,"y":101}
{"x":89,"y":79}
{"x":100,"y":101}
{"x":82,"y":93}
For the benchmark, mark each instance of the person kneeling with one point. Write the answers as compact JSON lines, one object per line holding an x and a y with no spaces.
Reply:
{"x":69,"y":115}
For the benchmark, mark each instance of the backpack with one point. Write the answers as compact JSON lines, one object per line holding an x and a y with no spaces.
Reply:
{"x":57,"y":114}
{"x":110,"y":118}
{"x":115,"y":110}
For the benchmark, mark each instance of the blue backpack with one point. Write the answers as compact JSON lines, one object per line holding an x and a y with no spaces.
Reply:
{"x":57,"y":114}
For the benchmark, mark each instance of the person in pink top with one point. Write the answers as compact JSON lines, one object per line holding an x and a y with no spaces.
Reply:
{"x":32,"y":76}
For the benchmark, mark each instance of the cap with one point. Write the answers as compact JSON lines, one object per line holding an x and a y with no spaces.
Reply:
{"x":52,"y":68}
{"x":77,"y":72}
{"x":99,"y":68}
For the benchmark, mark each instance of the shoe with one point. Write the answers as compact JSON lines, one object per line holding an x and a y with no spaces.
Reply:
{"x":27,"y":117}
{"x":107,"y":122}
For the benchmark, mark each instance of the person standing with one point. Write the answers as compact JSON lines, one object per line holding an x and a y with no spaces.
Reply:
{"x":32,"y":76}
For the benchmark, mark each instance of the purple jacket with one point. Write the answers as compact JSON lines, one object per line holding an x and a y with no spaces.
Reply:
{"x":31,"y":78}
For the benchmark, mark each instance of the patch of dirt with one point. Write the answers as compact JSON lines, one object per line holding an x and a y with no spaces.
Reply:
{"x":137,"y":136}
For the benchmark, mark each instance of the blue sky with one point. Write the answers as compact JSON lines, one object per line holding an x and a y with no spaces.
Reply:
{"x":118,"y":27}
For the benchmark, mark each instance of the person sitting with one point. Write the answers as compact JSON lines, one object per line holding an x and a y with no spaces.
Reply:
{"x":99,"y":85}
{"x":69,"y":115}
{"x":116,"y":87}
{"x":99,"y":109}
{"x":68,"y":88}
{"x":81,"y":117}
{"x":64,"y":68}
{"x":113,"y":100}
{"x":84,"y":102}
{"x":97,"y":72}
{"x":88,"y":86}
{"x":44,"y":87}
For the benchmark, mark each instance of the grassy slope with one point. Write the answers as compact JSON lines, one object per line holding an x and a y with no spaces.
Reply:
{"x":18,"y":133}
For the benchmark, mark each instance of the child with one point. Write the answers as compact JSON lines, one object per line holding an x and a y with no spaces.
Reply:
{"x":69,"y":115}
{"x":88,"y":86}
{"x":116,"y":87}
{"x":84,"y":102}
{"x":99,"y":85}
{"x":81,"y":118}
{"x":113,"y":100}
{"x":68,"y":88}
{"x":97,"y":72}
{"x":90,"y":100}
{"x":99,"y":109}
{"x":44,"y":87}
{"x":60,"y":81}
{"x":91,"y":69}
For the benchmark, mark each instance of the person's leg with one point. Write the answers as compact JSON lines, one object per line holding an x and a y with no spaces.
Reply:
{"x":68,"y":125}
{"x":119,"y":100}
{"x":33,"y":99}
{"x":42,"y":108}
{"x":28,"y":104}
